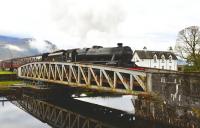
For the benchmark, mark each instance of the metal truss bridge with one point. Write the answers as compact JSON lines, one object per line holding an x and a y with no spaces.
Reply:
{"x":97,"y":77}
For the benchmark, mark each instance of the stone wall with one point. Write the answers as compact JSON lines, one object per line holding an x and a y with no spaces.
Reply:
{"x":176,"y":85}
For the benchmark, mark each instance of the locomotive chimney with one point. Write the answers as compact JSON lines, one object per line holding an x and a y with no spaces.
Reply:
{"x":120,"y":44}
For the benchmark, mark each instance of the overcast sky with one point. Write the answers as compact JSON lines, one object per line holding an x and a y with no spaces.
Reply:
{"x":83,"y":23}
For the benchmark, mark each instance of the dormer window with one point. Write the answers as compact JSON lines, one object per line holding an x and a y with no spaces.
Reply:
{"x":163,"y":58}
{"x":170,"y":59}
{"x":155,"y":58}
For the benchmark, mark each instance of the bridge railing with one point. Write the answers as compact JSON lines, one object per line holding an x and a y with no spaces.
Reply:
{"x":86,"y":75}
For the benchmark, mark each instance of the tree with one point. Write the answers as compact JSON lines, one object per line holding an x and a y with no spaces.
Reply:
{"x":188,"y":45}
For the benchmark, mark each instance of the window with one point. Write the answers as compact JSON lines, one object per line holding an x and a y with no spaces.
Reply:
{"x":155,"y":58}
{"x":162,"y":80}
{"x":163,"y":58}
{"x":170,"y":67}
{"x":136,"y":59}
{"x":70,"y":55}
{"x":170,"y":59}
{"x":175,"y":80}
{"x":162,"y":67}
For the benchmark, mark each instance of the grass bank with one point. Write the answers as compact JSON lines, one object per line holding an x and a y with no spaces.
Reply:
{"x":6,"y":72}
{"x":6,"y":86}
{"x":9,"y":83}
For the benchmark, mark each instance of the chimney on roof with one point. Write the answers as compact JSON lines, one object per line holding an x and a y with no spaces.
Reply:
{"x":145,"y":48}
{"x":170,"y":49}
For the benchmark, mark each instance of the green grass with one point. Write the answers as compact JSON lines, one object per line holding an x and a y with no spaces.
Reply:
{"x":8,"y":83}
{"x":197,"y":112}
{"x":6,"y":72}
{"x":5,"y":85}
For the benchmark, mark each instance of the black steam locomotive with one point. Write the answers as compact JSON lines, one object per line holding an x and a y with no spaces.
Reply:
{"x":114,"y":56}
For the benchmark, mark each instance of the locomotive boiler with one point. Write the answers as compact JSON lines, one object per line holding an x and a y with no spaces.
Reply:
{"x":116,"y":56}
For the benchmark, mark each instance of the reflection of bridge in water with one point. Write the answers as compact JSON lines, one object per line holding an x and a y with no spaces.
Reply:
{"x":56,"y":116}
{"x":147,"y":114}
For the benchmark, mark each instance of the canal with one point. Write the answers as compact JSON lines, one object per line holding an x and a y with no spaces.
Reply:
{"x":13,"y":117}
{"x":82,"y":111}
{"x":177,"y":105}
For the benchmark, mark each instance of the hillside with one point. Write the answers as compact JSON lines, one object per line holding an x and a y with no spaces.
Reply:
{"x":11,"y":47}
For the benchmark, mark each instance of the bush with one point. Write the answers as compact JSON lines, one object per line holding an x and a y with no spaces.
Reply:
{"x":191,"y":68}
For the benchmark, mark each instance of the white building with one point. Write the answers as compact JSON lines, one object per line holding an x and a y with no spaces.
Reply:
{"x":155,"y":59}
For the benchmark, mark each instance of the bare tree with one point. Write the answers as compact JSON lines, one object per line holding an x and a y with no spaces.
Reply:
{"x":188,"y":44}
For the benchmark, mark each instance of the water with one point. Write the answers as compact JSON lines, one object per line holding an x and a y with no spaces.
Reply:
{"x":177,"y":106}
{"x":13,"y":117}
{"x":119,"y":112}
{"x":160,"y":111}
{"x":123,"y":103}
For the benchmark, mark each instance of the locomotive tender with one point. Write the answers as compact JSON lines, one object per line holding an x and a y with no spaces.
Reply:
{"x":114,"y":56}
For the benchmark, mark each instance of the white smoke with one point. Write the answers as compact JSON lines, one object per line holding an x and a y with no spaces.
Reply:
{"x":41,"y":45}
{"x":80,"y":17}
{"x":88,"y":22}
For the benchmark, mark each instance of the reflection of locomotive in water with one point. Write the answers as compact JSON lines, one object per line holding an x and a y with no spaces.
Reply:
{"x":114,"y":56}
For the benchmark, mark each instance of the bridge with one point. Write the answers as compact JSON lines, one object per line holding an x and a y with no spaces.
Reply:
{"x":96,"y":77}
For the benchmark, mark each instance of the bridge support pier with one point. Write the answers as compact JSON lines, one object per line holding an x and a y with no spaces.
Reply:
{"x":149,"y":82}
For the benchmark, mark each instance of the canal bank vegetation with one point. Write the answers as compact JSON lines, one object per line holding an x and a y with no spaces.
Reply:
{"x":8,"y":79}
{"x":9,"y":83}
{"x":6,"y":87}
{"x":191,"y":68}
{"x":196,"y":111}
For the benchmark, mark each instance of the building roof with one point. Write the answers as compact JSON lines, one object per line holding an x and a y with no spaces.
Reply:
{"x":144,"y":54}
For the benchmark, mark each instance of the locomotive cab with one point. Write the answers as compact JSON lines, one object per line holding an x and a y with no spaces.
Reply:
{"x":70,"y":55}
{"x":56,"y":56}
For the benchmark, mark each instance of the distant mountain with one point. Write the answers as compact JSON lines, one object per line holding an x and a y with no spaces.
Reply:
{"x":12,"y":47}
{"x":10,"y":39}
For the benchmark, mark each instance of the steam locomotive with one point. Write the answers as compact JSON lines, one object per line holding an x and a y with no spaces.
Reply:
{"x":114,"y":56}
